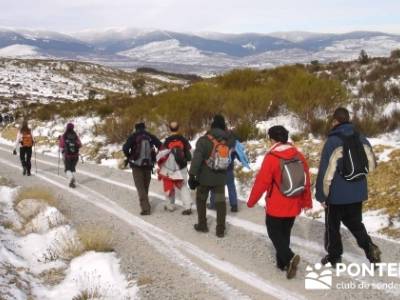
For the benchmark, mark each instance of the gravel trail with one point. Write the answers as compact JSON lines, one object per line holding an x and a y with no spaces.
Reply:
{"x":172,"y":261}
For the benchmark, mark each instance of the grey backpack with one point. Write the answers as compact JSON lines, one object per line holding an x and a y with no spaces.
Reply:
{"x":143,"y":153}
{"x":293,"y":180}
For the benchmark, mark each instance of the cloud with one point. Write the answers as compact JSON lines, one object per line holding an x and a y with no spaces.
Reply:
{"x":205,"y":15}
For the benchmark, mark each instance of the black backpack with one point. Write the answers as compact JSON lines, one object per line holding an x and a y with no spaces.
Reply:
{"x":71,"y":145}
{"x":143,"y":154}
{"x":354,"y":164}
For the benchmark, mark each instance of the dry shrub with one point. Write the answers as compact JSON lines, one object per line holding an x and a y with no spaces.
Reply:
{"x":39,"y":193}
{"x":9,"y":133}
{"x":52,"y":277}
{"x":96,"y":239}
{"x":65,"y":247}
{"x":89,"y":293}
{"x":384,"y":190}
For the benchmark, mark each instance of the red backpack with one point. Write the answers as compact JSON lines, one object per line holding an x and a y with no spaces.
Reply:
{"x":178,"y":151}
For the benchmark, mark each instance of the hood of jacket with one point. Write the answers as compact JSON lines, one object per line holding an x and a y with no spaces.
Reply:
{"x":218,"y":134}
{"x":284,"y":151}
{"x":344,"y":128}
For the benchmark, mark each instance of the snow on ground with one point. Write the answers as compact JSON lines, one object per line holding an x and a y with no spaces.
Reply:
{"x":19,"y":51}
{"x":290,"y":121}
{"x":25,"y":258}
{"x":390,"y":140}
{"x":47,"y":81}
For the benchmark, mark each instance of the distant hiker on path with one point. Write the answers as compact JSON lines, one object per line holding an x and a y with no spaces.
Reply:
{"x":285,"y":176}
{"x":139,"y":149}
{"x":69,"y":146}
{"x":341,"y":187}
{"x":24,"y":143}
{"x":173,"y":172}
{"x":208,"y":173}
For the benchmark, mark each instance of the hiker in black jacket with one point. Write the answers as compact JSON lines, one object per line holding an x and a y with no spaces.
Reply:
{"x":139,"y":150}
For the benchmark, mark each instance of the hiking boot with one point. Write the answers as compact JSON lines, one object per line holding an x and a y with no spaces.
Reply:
{"x":187,"y":212}
{"x":374,"y":253}
{"x":220,"y":232}
{"x":292,"y":267}
{"x":145,"y":213}
{"x":210,"y":206}
{"x":170,"y":207}
{"x":72,"y":183}
{"x":201,"y":228}
{"x":327,"y":259}
{"x":234,"y":208}
{"x":24,"y":171}
{"x":28,"y":172}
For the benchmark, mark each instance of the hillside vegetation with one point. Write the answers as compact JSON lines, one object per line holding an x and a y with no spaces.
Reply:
{"x":311,"y":92}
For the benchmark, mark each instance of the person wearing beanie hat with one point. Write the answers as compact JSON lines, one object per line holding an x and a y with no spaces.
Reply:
{"x":218,"y":122}
{"x":139,"y":150}
{"x":281,"y":209}
{"x":206,"y":179}
{"x":69,"y":145}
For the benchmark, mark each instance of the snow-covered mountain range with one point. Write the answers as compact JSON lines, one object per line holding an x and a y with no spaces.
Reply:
{"x":193,"y":53}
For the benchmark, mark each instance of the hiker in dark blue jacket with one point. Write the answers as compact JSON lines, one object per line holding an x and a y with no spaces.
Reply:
{"x":341,"y":198}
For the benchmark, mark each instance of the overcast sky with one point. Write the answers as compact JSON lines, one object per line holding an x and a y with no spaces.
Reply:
{"x":204,"y":15}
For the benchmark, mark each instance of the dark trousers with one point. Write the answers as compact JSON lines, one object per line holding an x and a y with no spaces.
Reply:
{"x":351,"y":216}
{"x":70,"y":164}
{"x":279,"y":230}
{"x":142,"y":178}
{"x":25,"y":155}
{"x":230,"y":184}
{"x":220,"y":204}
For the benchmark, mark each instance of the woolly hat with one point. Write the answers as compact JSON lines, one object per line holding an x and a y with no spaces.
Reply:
{"x":278,"y":133}
{"x":140,"y":126}
{"x":70,"y":126}
{"x":218,"y":122}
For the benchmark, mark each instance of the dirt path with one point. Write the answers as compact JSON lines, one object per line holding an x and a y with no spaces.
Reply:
{"x":172,"y":261}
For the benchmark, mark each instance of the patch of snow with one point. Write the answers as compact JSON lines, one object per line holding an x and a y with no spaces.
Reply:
{"x":94,"y":272}
{"x":18,"y":50}
{"x":23,"y":258}
{"x":290,"y":121}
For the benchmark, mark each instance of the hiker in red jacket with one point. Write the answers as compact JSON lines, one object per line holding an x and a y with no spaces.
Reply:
{"x":285,"y":176}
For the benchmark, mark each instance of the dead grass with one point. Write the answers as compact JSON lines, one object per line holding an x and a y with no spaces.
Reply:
{"x":89,"y":293}
{"x":394,"y":233}
{"x":9,"y":133}
{"x":96,"y":239}
{"x":144,"y":280}
{"x":384,"y":188}
{"x":52,"y":277}
{"x":6,"y":182}
{"x":7,"y":224}
{"x":65,"y":247}
{"x":39,"y":193}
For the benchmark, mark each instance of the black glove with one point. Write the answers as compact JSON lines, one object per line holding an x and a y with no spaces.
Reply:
{"x":193,"y":183}
{"x":15,"y":152}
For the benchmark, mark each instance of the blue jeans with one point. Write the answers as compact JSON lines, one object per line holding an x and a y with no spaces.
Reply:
{"x":230,"y":183}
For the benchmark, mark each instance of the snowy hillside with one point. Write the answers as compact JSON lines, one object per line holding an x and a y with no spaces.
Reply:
{"x":44,"y":81}
{"x":202,"y":53}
